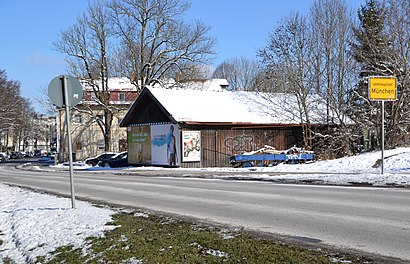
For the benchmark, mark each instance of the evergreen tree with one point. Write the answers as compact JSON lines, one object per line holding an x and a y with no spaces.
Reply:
{"x":371,"y":51}
{"x":372,"y":42}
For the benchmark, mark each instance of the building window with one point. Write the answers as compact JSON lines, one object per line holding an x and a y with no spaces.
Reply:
{"x":122,"y":144}
{"x":78,"y":119}
{"x":121,"y":97}
{"x":101,"y":144}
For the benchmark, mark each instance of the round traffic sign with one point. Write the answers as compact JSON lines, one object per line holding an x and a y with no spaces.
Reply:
{"x":56,"y":90}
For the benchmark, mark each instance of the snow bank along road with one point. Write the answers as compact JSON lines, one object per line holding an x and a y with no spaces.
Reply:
{"x":373,"y":220}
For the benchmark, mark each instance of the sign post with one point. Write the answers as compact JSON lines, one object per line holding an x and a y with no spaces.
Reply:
{"x":382,"y":88}
{"x":66,"y":91}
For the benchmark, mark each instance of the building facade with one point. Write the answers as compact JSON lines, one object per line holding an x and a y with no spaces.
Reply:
{"x":87,"y":121}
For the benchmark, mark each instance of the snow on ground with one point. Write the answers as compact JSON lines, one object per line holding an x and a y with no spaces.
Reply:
{"x":364,"y":168}
{"x":33,"y":224}
{"x":361,"y":169}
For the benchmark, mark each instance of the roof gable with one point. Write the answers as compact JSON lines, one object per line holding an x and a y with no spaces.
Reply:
{"x":146,"y":109}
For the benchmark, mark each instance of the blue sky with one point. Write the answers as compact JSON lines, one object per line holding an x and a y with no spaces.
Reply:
{"x":29,"y":27}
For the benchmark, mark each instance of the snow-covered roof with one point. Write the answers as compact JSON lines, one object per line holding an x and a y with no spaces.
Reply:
{"x":124,"y":84}
{"x":207,"y":106}
{"x":199,"y":84}
{"x":115,"y":83}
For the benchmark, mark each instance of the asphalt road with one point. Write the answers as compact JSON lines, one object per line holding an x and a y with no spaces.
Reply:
{"x":372,"y":220}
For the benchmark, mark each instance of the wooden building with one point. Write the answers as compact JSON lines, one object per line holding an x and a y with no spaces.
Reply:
{"x":206,"y":127}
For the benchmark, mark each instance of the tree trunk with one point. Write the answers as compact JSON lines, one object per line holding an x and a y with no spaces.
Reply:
{"x":108,"y":125}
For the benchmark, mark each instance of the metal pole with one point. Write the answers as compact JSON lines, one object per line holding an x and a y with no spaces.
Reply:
{"x":70,"y":153}
{"x":382,"y":137}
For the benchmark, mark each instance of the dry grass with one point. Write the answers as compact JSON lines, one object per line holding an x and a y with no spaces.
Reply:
{"x":156,"y":239}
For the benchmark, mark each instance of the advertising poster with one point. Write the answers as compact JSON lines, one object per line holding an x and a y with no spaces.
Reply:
{"x":165,"y":144}
{"x":139,"y":144}
{"x":191,"y":141}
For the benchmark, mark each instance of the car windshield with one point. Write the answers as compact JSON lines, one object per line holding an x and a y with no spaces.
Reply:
{"x":119,"y":155}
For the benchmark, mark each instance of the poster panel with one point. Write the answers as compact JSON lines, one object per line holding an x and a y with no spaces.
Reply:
{"x":191,"y":142}
{"x":139,"y":144}
{"x":165,"y":144}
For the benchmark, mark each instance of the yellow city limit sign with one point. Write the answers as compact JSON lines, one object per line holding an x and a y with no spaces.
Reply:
{"x":382,"y":88}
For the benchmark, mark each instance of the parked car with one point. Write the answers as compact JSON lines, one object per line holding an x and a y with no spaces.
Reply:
{"x":28,"y":155}
{"x":46,"y":159}
{"x":2,"y":157}
{"x":39,"y":152}
{"x":5,"y":156}
{"x":16,"y":155}
{"x":118,"y":160}
{"x":102,"y":157}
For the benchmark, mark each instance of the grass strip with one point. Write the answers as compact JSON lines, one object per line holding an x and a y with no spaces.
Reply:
{"x":142,"y":238}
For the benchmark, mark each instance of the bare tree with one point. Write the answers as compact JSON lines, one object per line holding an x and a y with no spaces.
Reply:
{"x":43,"y":99}
{"x":309,"y":58}
{"x":9,"y":102}
{"x":15,"y":113}
{"x":145,"y":40}
{"x":290,"y":51}
{"x":240,"y":72}
{"x":87,"y":46}
{"x":155,"y":43}
{"x":334,"y":74}
{"x":334,"y":65}
{"x":398,"y":112}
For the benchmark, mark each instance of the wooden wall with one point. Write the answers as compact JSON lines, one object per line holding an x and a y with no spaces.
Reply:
{"x":219,"y":143}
